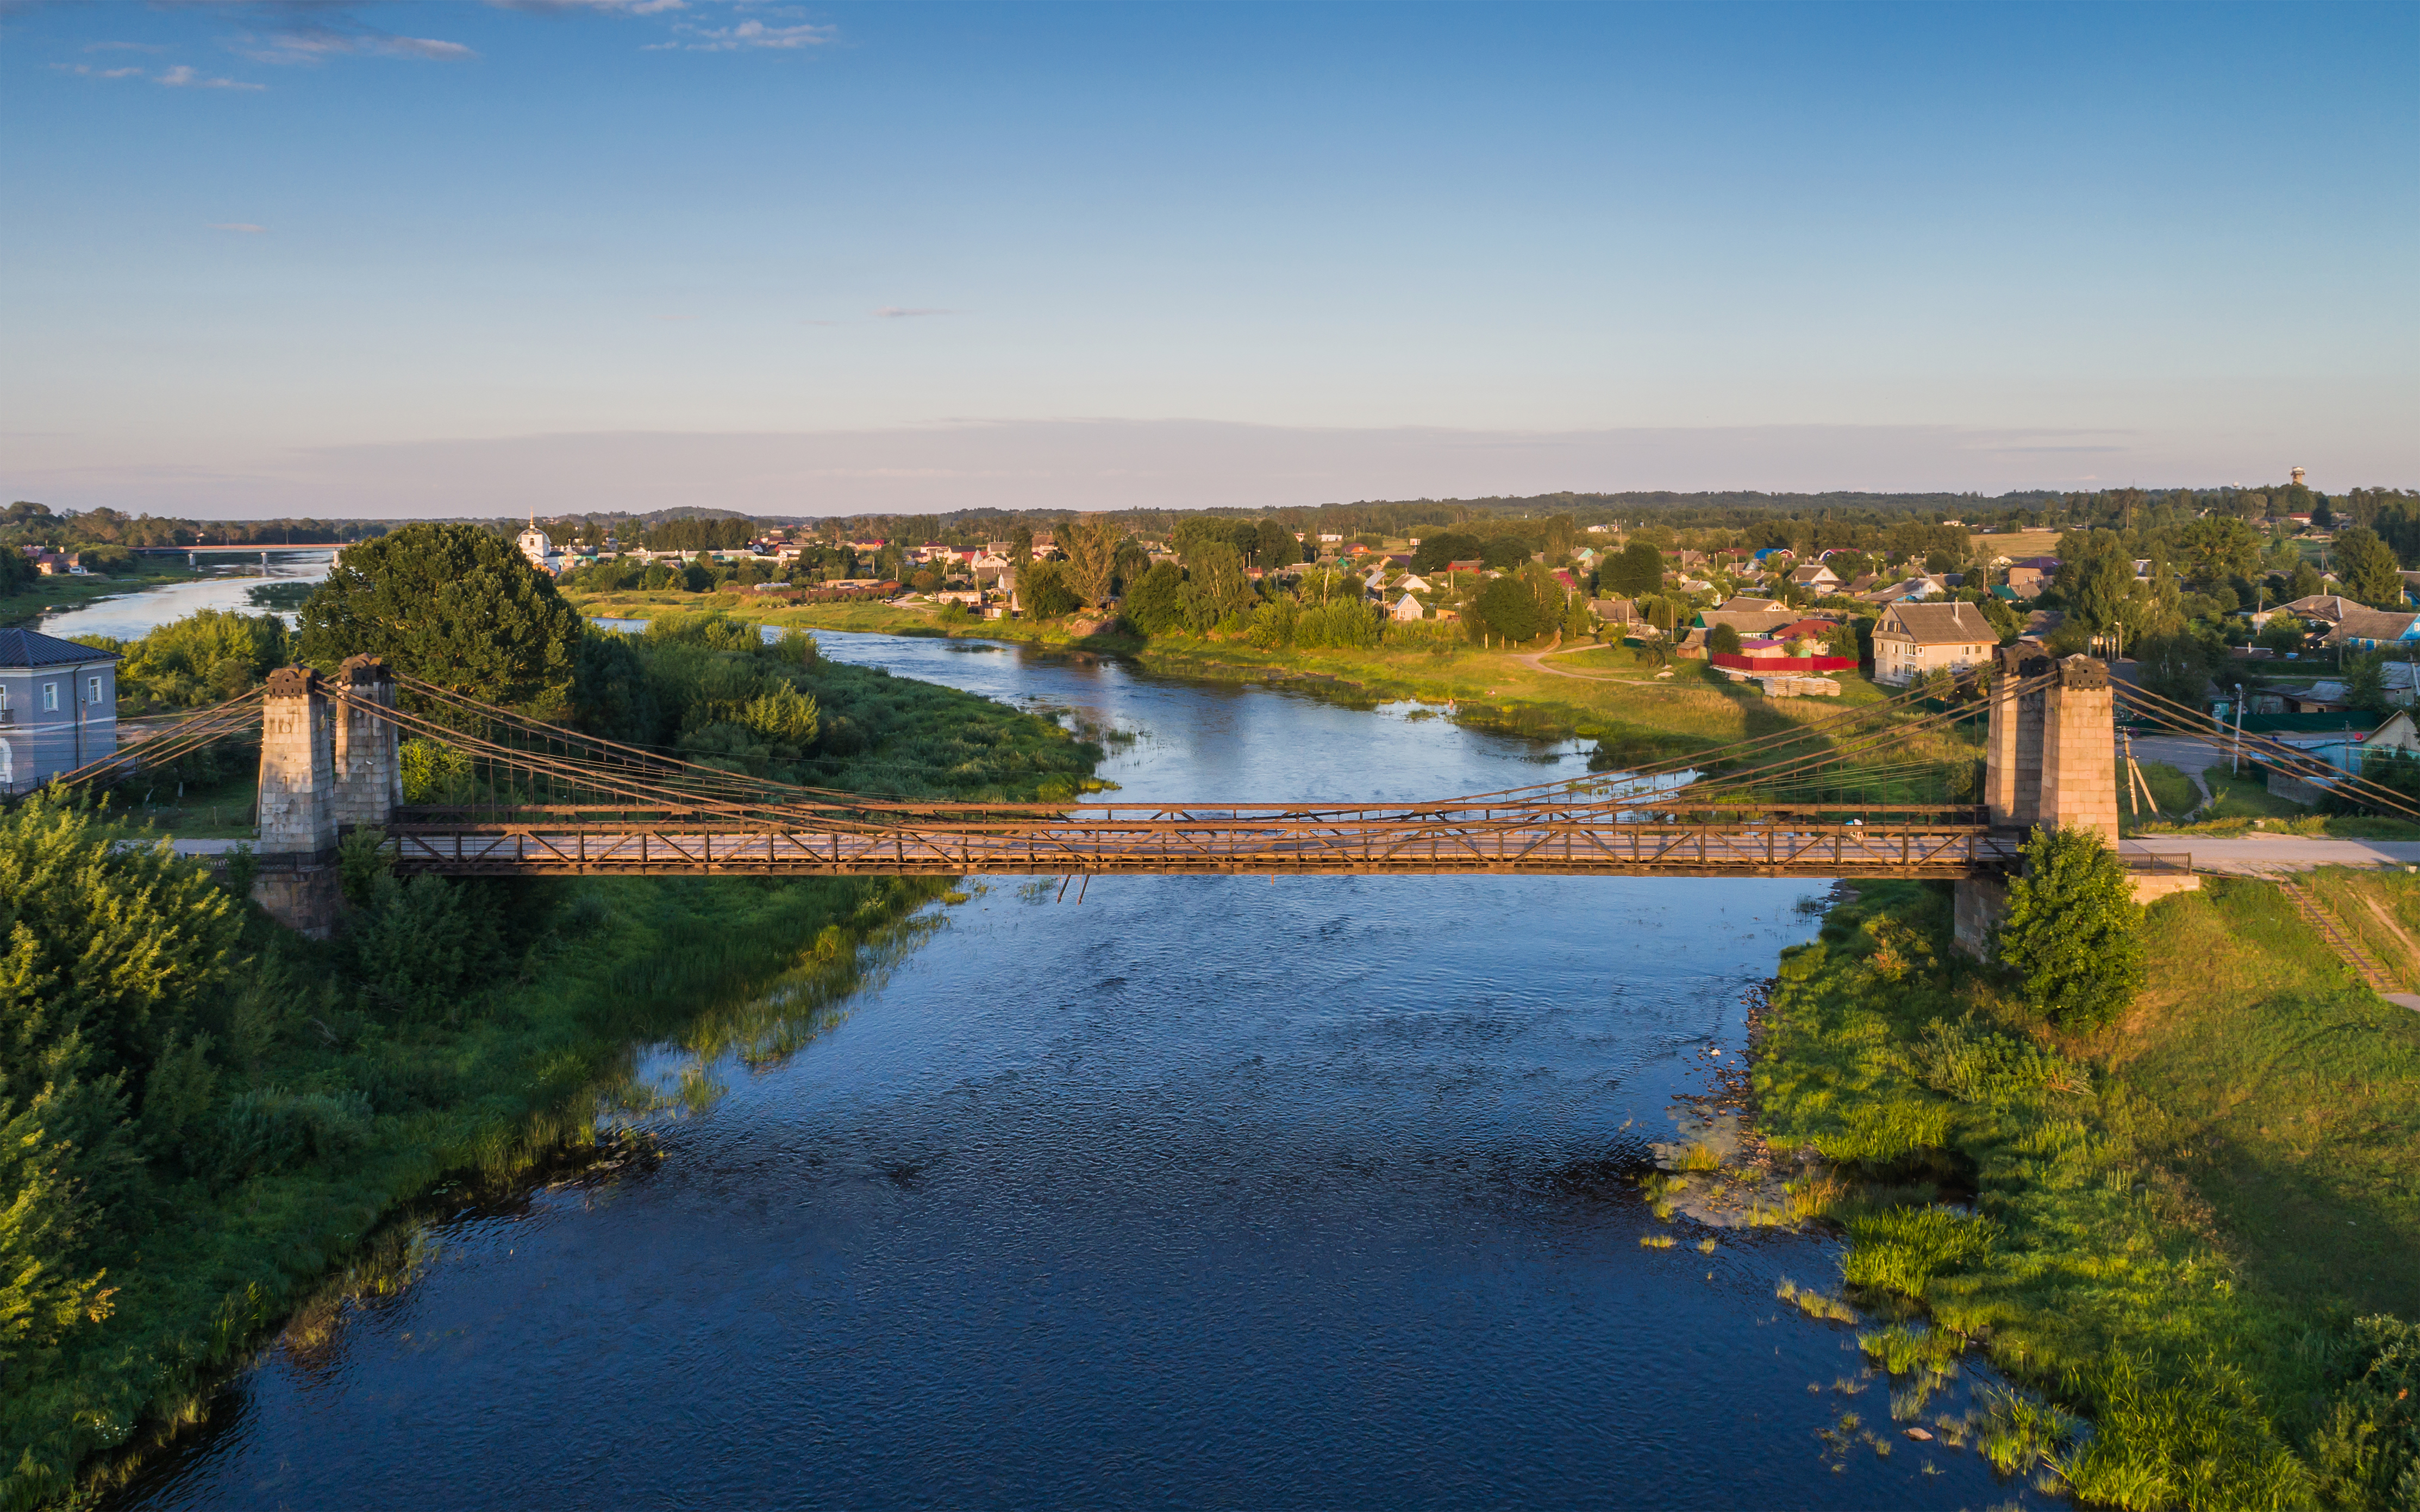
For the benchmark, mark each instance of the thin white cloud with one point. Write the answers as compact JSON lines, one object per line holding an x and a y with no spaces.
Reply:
{"x":316,"y":44}
{"x":900,"y":312}
{"x":183,"y":77}
{"x":751,"y":34}
{"x":88,"y":71}
{"x":620,"y":7}
{"x":246,"y":227}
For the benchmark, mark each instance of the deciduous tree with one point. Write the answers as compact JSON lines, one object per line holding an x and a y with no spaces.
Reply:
{"x":2073,"y":930}
{"x":454,"y":604}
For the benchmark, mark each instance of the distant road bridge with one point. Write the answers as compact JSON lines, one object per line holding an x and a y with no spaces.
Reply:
{"x":553,"y":801}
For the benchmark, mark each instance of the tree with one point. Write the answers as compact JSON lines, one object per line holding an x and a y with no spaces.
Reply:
{"x":2365,"y":680}
{"x":453,"y":605}
{"x":2282,"y":633}
{"x":2366,"y":567}
{"x":1506,"y":553}
{"x":1638,"y":569}
{"x":1092,"y":548}
{"x":1434,"y":551}
{"x":1216,"y":587}
{"x":1722,"y":639}
{"x":1156,"y":603}
{"x":1507,"y":607}
{"x":2215,"y":548}
{"x":2073,"y":930}
{"x":1277,"y":547}
{"x":2176,"y":667}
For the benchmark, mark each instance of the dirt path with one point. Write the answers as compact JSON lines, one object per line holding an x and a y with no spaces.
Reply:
{"x":1536,"y":661}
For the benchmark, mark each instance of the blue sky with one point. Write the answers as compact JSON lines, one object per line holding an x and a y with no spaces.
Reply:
{"x":439,"y":258}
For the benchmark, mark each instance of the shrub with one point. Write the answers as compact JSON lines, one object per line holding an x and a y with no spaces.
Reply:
{"x":272,"y":1129}
{"x":1724,"y":640}
{"x":2073,"y":929}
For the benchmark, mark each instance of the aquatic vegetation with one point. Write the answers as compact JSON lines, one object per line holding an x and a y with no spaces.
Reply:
{"x":1814,"y":1303}
{"x":1656,"y":1241}
{"x":1901,"y":1350}
{"x":1707,"y":1246}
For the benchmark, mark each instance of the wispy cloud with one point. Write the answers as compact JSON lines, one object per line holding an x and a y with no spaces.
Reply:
{"x":183,"y":77}
{"x":747,"y":35}
{"x":902,"y":312}
{"x":316,"y":43}
{"x":88,"y":71}
{"x":624,"y":8}
{"x":246,"y":227}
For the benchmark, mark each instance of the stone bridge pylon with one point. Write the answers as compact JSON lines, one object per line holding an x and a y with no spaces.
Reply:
{"x":2050,"y":759}
{"x":327,"y":764}
{"x":2051,"y":755}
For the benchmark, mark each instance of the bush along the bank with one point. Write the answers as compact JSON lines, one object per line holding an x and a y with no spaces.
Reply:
{"x":201,"y":1112}
{"x":2008,"y":1186}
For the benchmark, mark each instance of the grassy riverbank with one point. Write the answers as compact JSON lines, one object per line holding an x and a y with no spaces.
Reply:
{"x":2176,"y":1223}
{"x":1607,"y":694}
{"x":50,"y":595}
{"x":231,"y":1111}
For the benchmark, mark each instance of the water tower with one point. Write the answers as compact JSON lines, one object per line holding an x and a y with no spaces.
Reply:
{"x":2298,"y":477}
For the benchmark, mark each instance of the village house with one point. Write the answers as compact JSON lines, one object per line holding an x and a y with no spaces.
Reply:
{"x":1911,"y":640}
{"x":1409,"y":608}
{"x":2029,"y":576}
{"x":58,"y":707}
{"x":2329,"y":608}
{"x":2367,"y":629}
{"x":1815,"y":577}
{"x":2346,"y":750}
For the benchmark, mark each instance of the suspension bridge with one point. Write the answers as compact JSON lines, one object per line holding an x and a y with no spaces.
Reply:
{"x":535,"y":799}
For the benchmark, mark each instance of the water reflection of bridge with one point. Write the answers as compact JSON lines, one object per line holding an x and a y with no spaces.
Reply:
{"x":542,"y":800}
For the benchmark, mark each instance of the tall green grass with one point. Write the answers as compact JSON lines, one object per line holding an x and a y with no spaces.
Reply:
{"x":2078,"y":1207}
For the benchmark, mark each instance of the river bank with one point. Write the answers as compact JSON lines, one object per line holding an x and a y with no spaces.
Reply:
{"x":297,"y":1099}
{"x":2172,"y":1226}
{"x":1606,"y":694}
{"x":1296,"y":1194}
{"x":69,"y":594}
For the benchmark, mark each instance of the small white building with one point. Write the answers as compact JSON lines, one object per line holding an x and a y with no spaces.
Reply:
{"x":534,"y":544}
{"x":1407,"y":609}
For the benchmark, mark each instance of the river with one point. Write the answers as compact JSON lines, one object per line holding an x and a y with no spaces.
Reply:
{"x":1198,"y":1192}
{"x":130,"y":615}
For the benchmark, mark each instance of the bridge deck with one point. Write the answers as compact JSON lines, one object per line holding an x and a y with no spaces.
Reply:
{"x":1532,"y":848}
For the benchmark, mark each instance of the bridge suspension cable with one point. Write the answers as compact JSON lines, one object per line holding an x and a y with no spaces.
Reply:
{"x":2196,"y":724}
{"x":206,"y":727}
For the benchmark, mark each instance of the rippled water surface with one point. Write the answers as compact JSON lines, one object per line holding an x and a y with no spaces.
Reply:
{"x":1198,"y":1193}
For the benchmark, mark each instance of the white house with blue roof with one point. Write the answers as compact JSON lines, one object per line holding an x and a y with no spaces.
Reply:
{"x":58,"y":707}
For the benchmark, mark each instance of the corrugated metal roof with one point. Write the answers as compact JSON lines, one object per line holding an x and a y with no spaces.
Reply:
{"x":31,"y":648}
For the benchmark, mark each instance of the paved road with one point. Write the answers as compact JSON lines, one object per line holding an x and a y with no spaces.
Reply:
{"x":2257,"y":855}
